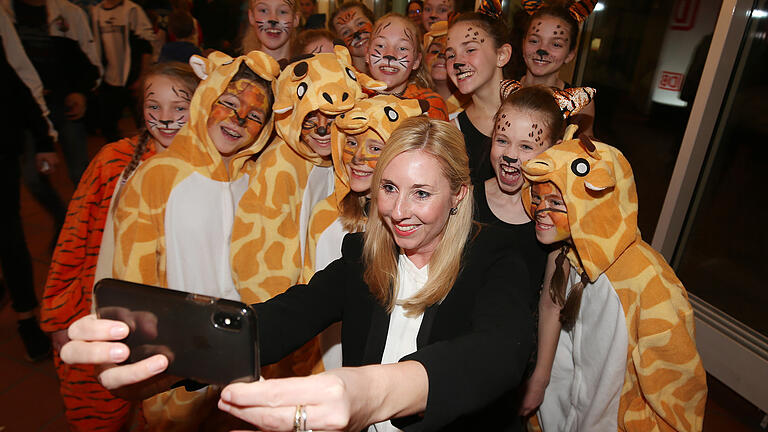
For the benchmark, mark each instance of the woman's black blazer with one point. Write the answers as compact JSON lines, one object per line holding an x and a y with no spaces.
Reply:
{"x":474,"y":345}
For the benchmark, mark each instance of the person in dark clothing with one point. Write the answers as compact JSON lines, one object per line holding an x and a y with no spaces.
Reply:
{"x":182,"y":25}
{"x":23,"y":112}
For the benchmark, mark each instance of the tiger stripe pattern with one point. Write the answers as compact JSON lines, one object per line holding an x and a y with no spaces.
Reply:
{"x":69,"y":287}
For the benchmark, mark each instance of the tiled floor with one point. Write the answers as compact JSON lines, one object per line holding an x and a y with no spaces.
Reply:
{"x":29,"y":399}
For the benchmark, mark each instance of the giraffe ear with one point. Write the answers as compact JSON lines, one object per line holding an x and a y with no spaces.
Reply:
{"x":600,"y":177}
{"x":199,"y":66}
{"x":369,"y":83}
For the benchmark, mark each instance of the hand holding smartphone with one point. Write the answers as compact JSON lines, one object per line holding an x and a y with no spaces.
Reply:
{"x":206,"y":339}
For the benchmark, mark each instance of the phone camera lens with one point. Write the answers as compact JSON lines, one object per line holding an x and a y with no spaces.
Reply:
{"x":227,"y":321}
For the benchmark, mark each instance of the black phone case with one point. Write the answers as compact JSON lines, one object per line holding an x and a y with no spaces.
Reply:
{"x":206,"y":339}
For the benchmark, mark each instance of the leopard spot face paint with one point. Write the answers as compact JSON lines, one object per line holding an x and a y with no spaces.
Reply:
{"x":547,"y":46}
{"x":549,"y":213}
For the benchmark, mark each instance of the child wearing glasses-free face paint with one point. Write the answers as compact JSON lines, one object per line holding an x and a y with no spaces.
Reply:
{"x":435,"y":11}
{"x":353,"y":23}
{"x":272,"y":23}
{"x":395,"y":58}
{"x":616,"y":334}
{"x":548,"y":45}
{"x":476,"y":53}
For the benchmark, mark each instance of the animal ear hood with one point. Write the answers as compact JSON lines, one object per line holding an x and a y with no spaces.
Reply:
{"x":218,"y":70}
{"x":325,"y":82}
{"x":599,"y":192}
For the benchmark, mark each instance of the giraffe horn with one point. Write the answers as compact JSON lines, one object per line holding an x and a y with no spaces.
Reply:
{"x":580,"y":10}
{"x":531,"y":6}
{"x":573,"y":100}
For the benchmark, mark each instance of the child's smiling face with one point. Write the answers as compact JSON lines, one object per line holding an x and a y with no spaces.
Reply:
{"x":274,"y":21}
{"x":393,"y":53}
{"x":361,"y":152}
{"x":355,"y":29}
{"x":471,"y":58}
{"x":549,"y":213}
{"x":547,"y":46}
{"x":166,"y":107}
{"x":434,"y":58}
{"x":435,"y":11}
{"x":238,"y":116}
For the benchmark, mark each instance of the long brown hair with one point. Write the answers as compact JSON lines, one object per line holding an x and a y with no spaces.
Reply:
{"x":571,"y":304}
{"x":445,"y":143}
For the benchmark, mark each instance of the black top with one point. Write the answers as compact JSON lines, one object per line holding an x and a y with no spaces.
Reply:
{"x":474,"y":345}
{"x":179,"y":51}
{"x":523,"y":235}
{"x":478,"y":150}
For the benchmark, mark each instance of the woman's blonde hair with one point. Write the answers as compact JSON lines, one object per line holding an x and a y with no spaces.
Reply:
{"x":445,"y":143}
{"x":420,"y":76}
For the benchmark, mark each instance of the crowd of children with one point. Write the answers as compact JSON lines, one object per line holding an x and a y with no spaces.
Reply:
{"x":260,"y":134}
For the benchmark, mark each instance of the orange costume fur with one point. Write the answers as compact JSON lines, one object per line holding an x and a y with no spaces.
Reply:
{"x":68,"y":290}
{"x":658,"y":382}
{"x":173,"y":224}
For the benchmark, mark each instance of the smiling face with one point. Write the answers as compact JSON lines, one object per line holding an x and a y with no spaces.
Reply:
{"x":238,"y":115}
{"x":435,"y":59}
{"x":471,"y":58}
{"x":355,"y":29}
{"x":550,"y":213}
{"x":393,"y":53}
{"x":360,"y":154}
{"x":414,"y":201}
{"x":316,"y":133}
{"x":547,"y":46}
{"x":434,"y":11}
{"x":518,"y":136}
{"x":274,"y":21}
{"x":166,"y":107}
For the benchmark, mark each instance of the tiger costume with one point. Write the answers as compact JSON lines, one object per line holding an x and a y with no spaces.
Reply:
{"x":630,"y":361}
{"x":173,"y":223}
{"x":68,"y":289}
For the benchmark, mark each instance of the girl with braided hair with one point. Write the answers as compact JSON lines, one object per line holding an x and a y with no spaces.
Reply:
{"x":168,"y":88}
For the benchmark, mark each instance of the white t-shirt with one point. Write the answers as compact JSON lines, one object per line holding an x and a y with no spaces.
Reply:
{"x":112,"y":24}
{"x":403,"y":330}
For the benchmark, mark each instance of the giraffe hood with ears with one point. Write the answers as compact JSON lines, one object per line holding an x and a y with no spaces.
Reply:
{"x":599,"y":191}
{"x":325,"y":82}
{"x":633,"y":299}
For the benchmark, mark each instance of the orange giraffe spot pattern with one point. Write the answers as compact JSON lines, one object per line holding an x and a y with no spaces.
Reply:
{"x":664,"y":386}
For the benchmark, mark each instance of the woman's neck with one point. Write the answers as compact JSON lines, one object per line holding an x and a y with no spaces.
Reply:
{"x":551,"y":80}
{"x":443,"y":89}
{"x":360,"y":64}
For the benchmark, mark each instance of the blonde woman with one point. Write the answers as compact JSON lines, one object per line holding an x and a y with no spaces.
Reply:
{"x":428,"y":300}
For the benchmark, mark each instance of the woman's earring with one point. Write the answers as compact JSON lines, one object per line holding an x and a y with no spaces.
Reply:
{"x":454,"y":210}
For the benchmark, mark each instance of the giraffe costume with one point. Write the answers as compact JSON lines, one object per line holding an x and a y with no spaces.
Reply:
{"x":289,"y":178}
{"x":174,"y":221}
{"x":630,"y":361}
{"x":381,"y":114}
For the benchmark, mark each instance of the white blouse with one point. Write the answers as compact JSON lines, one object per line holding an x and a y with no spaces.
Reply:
{"x":401,"y":336}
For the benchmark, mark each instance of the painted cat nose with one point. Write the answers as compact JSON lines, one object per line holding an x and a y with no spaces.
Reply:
{"x":542,"y":52}
{"x":458,"y":66}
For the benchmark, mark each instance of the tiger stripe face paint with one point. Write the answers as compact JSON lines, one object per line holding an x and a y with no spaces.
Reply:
{"x":549,"y":213}
{"x":166,"y":107}
{"x":360,"y":155}
{"x":238,"y":116}
{"x":355,"y":29}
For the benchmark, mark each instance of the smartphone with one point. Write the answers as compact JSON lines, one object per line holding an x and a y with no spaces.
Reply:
{"x":206,"y":339}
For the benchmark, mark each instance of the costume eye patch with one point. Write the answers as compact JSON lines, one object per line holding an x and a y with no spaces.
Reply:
{"x":392,"y":115}
{"x":580,"y":167}
{"x":301,"y":90}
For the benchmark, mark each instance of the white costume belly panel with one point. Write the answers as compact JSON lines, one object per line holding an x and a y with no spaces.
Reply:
{"x":588,"y":371}
{"x":198,"y":230}
{"x":320,"y":184}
